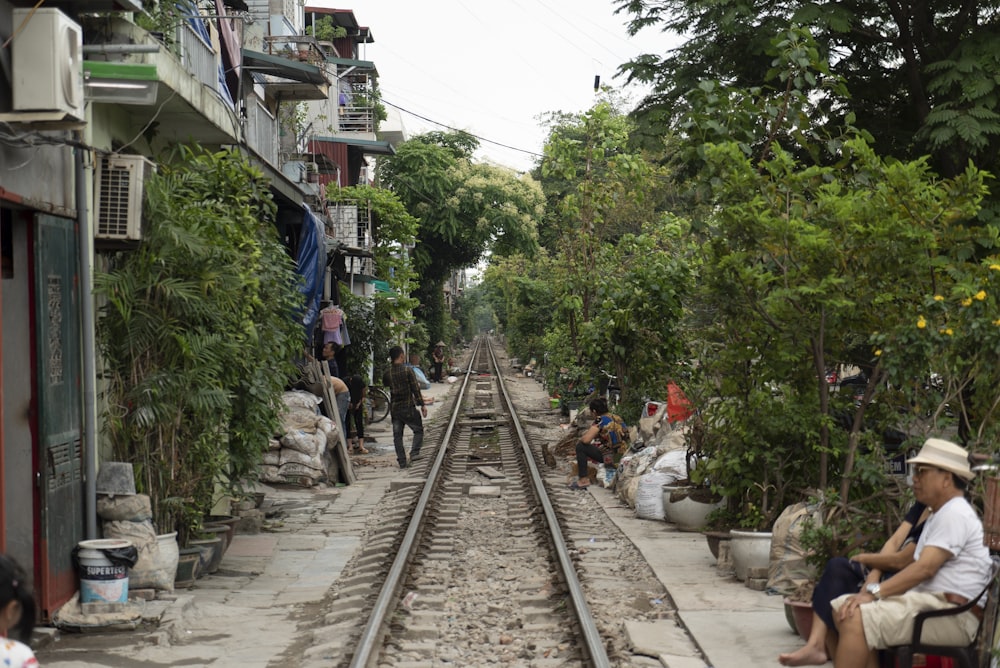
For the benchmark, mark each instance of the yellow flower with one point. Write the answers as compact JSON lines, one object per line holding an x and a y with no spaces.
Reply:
{"x":995,"y":267}
{"x":878,"y":353}
{"x":949,"y":331}
{"x":981,"y":295}
{"x":997,"y":323}
{"x":967,"y":301}
{"x":921,"y":323}
{"x":938,"y":298}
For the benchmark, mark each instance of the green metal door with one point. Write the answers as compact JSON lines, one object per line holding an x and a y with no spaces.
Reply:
{"x":57,"y":345}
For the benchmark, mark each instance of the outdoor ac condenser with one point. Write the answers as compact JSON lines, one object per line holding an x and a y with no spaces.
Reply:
{"x":46,"y":55}
{"x":118,"y":196}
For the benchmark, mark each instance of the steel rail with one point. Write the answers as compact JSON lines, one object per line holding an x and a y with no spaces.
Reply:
{"x":592,"y":638}
{"x":370,"y":640}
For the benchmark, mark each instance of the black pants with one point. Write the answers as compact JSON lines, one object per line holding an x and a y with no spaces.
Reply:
{"x":841,"y":576}
{"x":585,"y":451}
{"x":355,"y":416}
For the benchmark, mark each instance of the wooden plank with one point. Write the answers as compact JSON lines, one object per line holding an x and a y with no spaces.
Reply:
{"x":346,"y":469}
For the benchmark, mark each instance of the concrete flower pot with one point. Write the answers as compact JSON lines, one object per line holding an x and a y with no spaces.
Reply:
{"x":750,"y":549}
{"x":688,"y":507}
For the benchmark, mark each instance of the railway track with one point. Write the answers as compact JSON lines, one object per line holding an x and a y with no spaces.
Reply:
{"x":479,"y":556}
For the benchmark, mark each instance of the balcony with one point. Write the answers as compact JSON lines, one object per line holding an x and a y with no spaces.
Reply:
{"x":188,"y":104}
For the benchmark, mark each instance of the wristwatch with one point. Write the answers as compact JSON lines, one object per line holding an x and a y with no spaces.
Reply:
{"x":875,"y":590}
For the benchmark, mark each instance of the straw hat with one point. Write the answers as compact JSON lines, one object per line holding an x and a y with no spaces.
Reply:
{"x":440,"y":343}
{"x":944,"y":455}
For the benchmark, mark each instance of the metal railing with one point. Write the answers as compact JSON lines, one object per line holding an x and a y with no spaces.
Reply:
{"x":198,"y":56}
{"x":262,"y":132}
{"x":356,"y":119}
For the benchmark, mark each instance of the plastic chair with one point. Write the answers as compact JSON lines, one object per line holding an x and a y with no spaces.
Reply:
{"x":966,"y":657}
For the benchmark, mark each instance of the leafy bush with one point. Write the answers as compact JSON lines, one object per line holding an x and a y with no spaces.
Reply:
{"x":197,"y":333}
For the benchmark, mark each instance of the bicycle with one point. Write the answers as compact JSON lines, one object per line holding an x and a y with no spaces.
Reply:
{"x":609,"y":389}
{"x":376,"y":404}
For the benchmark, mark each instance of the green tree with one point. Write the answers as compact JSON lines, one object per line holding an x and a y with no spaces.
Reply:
{"x":922,"y":73}
{"x":805,"y":261}
{"x":197,"y":332}
{"x":466,"y":211}
{"x":603,"y":191}
{"x":521,"y":295}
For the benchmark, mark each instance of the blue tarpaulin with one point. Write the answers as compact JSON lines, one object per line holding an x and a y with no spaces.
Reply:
{"x":311,"y":261}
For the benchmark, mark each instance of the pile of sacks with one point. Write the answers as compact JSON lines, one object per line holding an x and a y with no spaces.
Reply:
{"x":304,"y":452}
{"x":641,"y":475}
{"x":130,"y":517}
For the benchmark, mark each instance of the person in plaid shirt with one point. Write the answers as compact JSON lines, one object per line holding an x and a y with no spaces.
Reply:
{"x":404,"y":397}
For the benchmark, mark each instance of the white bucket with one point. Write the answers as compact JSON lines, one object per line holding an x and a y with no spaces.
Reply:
{"x":101,"y":581}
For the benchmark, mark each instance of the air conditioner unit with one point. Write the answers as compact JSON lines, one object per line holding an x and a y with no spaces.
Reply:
{"x":47,"y":63}
{"x":118,"y":196}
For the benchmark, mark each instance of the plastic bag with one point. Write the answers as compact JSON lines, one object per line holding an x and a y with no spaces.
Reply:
{"x":119,"y":556}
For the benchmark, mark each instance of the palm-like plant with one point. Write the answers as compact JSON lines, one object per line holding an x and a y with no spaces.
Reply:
{"x":196,"y":333}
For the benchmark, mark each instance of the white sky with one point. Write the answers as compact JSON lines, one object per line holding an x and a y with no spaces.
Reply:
{"x":492,"y":67}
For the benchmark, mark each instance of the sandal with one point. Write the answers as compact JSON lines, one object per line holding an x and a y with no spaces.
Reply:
{"x":575,"y":485}
{"x":361,"y":450}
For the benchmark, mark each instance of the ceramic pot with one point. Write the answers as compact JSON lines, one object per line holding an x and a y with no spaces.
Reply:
{"x":802,"y":616}
{"x":714,"y":538}
{"x":169,"y":553}
{"x":688,"y":507}
{"x":209,"y":529}
{"x":229,"y":521}
{"x":750,"y":549}
{"x":188,"y":565}
{"x":211,"y":553}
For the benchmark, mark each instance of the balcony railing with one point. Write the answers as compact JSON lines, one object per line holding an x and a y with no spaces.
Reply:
{"x":356,"y":119}
{"x":198,"y":56}
{"x":262,"y":132}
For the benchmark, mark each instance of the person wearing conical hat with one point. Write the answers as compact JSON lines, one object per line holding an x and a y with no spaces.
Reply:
{"x":951,"y":567}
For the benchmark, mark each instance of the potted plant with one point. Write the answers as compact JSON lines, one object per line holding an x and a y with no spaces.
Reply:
{"x":324,"y":30}
{"x":688,"y":504}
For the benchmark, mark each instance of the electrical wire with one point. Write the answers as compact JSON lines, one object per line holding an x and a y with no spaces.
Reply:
{"x":23,"y":23}
{"x":150,"y":122}
{"x":454,"y":129}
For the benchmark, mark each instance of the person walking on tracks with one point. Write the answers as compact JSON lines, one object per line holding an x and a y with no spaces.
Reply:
{"x":404,"y":397}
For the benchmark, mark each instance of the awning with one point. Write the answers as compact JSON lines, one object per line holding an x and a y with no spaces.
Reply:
{"x":285,"y":68}
{"x":366,"y":146}
{"x":366,"y":65}
{"x":382,"y":286}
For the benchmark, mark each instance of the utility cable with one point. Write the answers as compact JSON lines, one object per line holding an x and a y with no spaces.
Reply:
{"x":23,"y":23}
{"x":454,"y":129}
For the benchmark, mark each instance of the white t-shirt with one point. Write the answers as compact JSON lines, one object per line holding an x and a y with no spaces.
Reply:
{"x":16,"y":654}
{"x":956,"y":528}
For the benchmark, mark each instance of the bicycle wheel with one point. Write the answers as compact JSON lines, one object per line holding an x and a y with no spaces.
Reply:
{"x":377,"y":404}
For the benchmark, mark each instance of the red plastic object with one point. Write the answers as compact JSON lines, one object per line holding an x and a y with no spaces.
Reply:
{"x":679,"y":408}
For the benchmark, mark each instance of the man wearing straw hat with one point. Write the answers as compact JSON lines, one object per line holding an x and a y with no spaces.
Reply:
{"x":951,"y":566}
